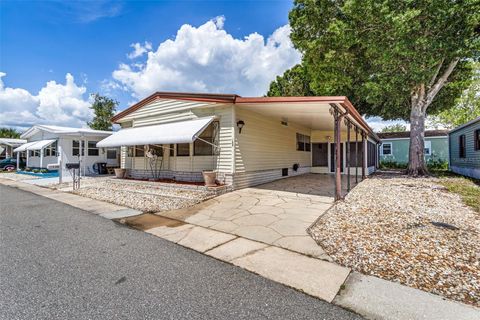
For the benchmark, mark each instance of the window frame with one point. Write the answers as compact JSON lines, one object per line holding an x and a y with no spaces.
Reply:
{"x":476,"y":140}
{"x":180,"y":154}
{"x":391,"y":148}
{"x":303,"y":142}
{"x":427,"y":145}
{"x":138,"y":151}
{"x":94,"y":148}
{"x":462,"y":146}
{"x":80,"y":143}
{"x":111,"y":150}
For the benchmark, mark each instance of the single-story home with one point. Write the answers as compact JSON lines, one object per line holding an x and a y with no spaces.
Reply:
{"x":49,"y":146}
{"x":246,"y":141}
{"x":7,"y":145}
{"x":395,"y":146}
{"x":465,"y":149}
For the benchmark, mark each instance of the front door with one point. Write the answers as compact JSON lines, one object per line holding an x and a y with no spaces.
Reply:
{"x":320,"y":154}
{"x":332,"y":157}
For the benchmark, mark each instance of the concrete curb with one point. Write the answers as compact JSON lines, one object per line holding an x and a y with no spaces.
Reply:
{"x":371,"y":297}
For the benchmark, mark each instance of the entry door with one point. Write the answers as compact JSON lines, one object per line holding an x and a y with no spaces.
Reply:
{"x":332,"y":157}
{"x":320,"y":154}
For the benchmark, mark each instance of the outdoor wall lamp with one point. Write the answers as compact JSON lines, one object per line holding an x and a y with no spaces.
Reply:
{"x":240,"y":125}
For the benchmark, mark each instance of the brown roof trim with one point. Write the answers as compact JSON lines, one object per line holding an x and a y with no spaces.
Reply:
{"x":406,"y":134}
{"x":204,"y":97}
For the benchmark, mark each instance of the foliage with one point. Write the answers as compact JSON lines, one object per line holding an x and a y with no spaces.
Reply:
{"x":294,"y":82}
{"x":35,"y":170}
{"x":397,"y":127}
{"x":104,"y":109}
{"x":437,"y":164}
{"x":466,"y":108}
{"x":392,"y":164}
{"x":9,"y":133}
{"x":468,"y":189}
{"x":43,"y":171}
{"x":379,"y":52}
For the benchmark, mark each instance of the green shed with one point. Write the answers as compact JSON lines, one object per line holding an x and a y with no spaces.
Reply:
{"x":395,"y":146}
{"x":465,"y":149}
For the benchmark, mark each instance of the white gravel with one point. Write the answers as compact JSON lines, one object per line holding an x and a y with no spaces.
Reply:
{"x":142,"y":195}
{"x":383,"y":228}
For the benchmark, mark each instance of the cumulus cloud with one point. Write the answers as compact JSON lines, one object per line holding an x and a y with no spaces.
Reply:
{"x":377,"y":123}
{"x":208,"y":59}
{"x":55,"y":103}
{"x":139,"y":49}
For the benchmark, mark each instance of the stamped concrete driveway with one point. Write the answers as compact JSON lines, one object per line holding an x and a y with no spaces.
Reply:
{"x":277,"y":213}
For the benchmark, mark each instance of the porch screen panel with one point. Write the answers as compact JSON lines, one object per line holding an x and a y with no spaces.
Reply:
{"x":371,"y":154}
{"x":320,"y":154}
{"x":354,"y":153}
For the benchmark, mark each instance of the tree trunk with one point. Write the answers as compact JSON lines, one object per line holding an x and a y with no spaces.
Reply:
{"x":416,"y":163}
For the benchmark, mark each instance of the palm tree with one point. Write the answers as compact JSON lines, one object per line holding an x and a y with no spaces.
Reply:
{"x":9,"y":133}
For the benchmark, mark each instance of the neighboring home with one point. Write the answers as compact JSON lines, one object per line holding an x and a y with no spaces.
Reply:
{"x":246,"y":141}
{"x":47,"y":145}
{"x":395,"y":146}
{"x":465,"y":149}
{"x":7,"y":145}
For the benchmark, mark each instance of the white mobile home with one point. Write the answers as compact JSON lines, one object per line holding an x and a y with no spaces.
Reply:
{"x":7,"y":145}
{"x":48,"y":145}
{"x":246,"y":141}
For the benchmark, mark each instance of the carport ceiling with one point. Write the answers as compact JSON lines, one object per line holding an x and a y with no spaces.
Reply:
{"x":313,"y":115}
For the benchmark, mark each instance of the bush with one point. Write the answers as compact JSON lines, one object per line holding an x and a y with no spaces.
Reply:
{"x":43,"y":171}
{"x":28,"y":169}
{"x":392,"y":164}
{"x":437,"y":164}
{"x":35,"y":171}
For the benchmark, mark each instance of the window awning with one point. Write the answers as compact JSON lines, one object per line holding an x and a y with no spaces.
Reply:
{"x":35,"y":145}
{"x":175,"y":132}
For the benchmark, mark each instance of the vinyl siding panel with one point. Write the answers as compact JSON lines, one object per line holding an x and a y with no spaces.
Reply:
{"x":470,"y":165}
{"x":266,"y":144}
{"x":439,"y":149}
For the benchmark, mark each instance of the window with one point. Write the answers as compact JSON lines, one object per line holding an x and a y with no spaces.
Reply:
{"x":461,"y":146}
{"x":303,"y":142}
{"x":156,"y":150}
{"x":51,"y":150}
{"x":183,"y":150}
{"x":172,"y":150}
{"x":428,"y":148}
{"x":111,"y":154}
{"x":386,"y":149}
{"x":34,"y":153}
{"x":476,"y":139}
{"x":76,"y":147}
{"x":92,"y":148}
{"x":355,"y":154}
{"x":204,"y":148}
{"x":139,"y":151}
{"x":371,"y":154}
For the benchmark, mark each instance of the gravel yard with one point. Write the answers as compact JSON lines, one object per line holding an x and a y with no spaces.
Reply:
{"x":142,"y":195}
{"x":384,"y":228}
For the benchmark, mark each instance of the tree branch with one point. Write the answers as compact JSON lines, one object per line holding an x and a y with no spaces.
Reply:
{"x":440,"y":83}
{"x":432,"y":81}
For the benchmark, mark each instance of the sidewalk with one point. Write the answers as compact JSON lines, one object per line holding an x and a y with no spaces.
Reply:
{"x":369,"y":296}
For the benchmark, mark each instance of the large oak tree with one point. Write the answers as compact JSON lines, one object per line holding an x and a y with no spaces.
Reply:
{"x":394,"y":59}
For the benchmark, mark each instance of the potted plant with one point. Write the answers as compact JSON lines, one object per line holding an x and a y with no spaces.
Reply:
{"x":210,"y":177}
{"x":120,"y":173}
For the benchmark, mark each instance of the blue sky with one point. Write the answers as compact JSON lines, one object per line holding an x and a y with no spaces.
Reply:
{"x":54,"y":54}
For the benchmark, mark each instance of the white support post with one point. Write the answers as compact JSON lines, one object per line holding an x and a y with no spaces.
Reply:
{"x":28,"y":156}
{"x":60,"y":164}
{"x":41,"y":158}
{"x":18,"y":161}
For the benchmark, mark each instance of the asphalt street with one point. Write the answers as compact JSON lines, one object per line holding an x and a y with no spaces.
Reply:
{"x":60,"y":262}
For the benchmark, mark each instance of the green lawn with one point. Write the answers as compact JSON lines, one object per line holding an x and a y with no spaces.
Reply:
{"x":468,"y":189}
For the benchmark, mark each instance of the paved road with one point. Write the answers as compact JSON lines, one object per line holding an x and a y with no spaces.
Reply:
{"x":59,"y":262}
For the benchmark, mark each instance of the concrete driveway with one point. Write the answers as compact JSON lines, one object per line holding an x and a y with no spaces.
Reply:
{"x":277,"y":213}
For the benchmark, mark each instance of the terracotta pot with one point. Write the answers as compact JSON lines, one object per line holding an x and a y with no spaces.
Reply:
{"x":120,"y":173}
{"x":209,"y":177}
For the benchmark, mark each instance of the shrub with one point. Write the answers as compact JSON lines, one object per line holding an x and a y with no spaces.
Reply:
{"x":28,"y":169}
{"x":437,"y":164}
{"x":35,"y":171}
{"x":43,"y":171}
{"x":392,"y":164}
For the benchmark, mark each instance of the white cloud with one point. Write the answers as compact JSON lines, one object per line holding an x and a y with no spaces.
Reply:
{"x":139,"y":49}
{"x":377,"y":123}
{"x":208,"y":59}
{"x":55,"y":103}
